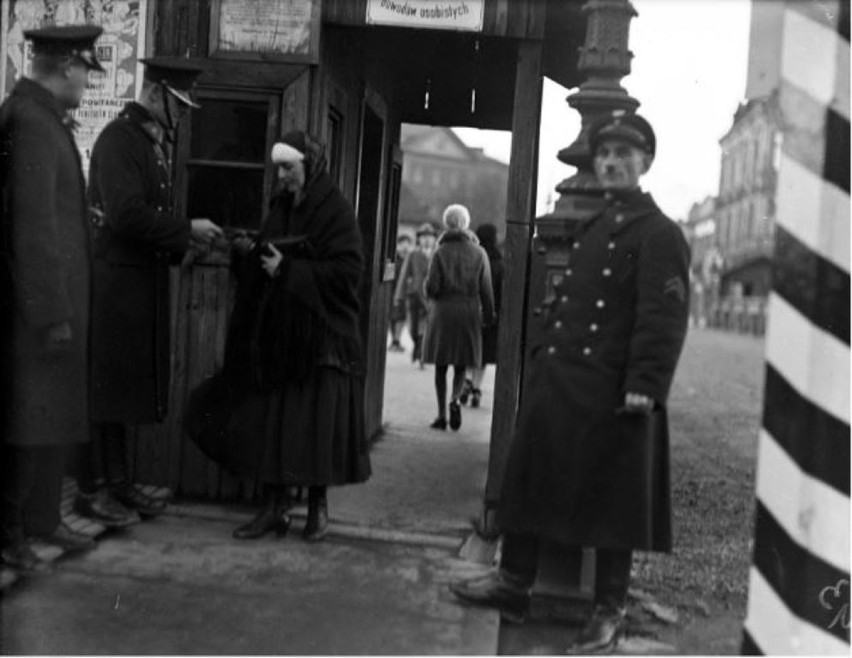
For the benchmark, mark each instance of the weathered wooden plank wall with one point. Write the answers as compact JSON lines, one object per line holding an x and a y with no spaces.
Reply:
{"x":355,"y":77}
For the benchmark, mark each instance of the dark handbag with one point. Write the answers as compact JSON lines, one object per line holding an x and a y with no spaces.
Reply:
{"x":227,"y":424}
{"x":294,"y":246}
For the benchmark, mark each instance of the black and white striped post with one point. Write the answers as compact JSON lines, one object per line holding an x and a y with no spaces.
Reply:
{"x":799,"y":580}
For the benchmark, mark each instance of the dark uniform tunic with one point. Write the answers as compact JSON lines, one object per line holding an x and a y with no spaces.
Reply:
{"x":129,"y":181}
{"x":579,"y":473}
{"x":46,"y":270}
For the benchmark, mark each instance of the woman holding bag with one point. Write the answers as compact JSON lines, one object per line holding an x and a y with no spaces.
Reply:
{"x":294,"y":344}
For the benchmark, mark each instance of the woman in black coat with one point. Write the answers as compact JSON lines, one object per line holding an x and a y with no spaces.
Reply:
{"x":458,"y":286}
{"x":294,"y":342}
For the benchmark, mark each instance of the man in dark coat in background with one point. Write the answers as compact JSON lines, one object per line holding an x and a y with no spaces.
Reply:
{"x":137,"y":238}
{"x":46,"y":276}
{"x":589,"y":463}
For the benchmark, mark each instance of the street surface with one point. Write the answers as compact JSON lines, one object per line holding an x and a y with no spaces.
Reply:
{"x":378,"y":585}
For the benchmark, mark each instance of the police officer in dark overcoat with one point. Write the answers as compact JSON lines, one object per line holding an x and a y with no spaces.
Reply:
{"x":137,"y":237}
{"x":46,"y":276}
{"x":589,"y":464}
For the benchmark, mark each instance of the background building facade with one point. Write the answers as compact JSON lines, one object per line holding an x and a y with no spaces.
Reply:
{"x":745,"y":206}
{"x":440,"y":169}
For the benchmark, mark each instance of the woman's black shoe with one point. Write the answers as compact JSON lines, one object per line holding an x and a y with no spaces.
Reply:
{"x":475,"y":394}
{"x":316,"y":526}
{"x":455,"y":415}
{"x":267,"y":520}
{"x":439,"y":424}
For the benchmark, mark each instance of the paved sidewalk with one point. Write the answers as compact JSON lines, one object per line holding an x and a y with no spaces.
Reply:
{"x":181,"y":585}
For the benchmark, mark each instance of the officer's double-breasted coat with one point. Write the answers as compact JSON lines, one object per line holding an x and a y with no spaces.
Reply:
{"x":130,"y":182}
{"x":579,"y":471}
{"x":46,"y":270}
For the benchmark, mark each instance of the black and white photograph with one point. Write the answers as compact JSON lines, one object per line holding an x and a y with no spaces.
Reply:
{"x":425,"y":327}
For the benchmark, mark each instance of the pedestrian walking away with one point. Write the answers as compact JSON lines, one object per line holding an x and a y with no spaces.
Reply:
{"x":409,"y":287}
{"x":589,"y":463}
{"x":45,"y":302}
{"x":458,"y":286}
{"x":136,"y":238}
{"x":397,"y":314}
{"x":293,"y":354}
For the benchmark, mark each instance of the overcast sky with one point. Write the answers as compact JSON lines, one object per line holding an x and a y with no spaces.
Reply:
{"x":689,"y":72}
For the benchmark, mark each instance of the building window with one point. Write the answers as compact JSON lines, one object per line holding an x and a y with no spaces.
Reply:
{"x":226,"y":175}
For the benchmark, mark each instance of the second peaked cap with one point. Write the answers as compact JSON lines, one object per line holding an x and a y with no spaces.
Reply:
{"x":177,"y":74}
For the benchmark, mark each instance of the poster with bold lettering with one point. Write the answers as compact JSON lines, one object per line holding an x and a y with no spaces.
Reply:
{"x":464,"y":15}
{"x":118,"y":49}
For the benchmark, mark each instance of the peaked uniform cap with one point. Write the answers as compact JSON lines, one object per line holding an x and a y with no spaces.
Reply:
{"x":76,"y":41}
{"x":622,"y":125}
{"x":177,"y":74}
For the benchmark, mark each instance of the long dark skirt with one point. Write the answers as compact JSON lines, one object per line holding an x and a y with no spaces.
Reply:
{"x":314,"y":432}
{"x":310,"y":433}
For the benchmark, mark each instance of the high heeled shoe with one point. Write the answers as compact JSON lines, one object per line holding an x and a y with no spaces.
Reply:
{"x":316,"y":525}
{"x":475,"y":395}
{"x":455,"y":415}
{"x":467,"y":389}
{"x":266,"y":521}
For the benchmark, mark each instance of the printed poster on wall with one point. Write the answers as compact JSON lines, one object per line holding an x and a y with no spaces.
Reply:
{"x":430,"y":14}
{"x":118,"y":49}
{"x":280,"y":29}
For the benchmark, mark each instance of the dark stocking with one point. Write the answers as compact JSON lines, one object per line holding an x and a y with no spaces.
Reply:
{"x":458,"y":381}
{"x":441,"y":389}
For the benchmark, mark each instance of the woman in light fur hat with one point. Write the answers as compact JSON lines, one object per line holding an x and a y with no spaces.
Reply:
{"x":459,"y":286}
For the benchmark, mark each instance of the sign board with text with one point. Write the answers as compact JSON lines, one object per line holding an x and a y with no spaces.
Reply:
{"x":284,"y":30}
{"x":464,"y":15}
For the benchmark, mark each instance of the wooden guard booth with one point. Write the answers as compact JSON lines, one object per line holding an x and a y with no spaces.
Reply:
{"x":351,"y":81}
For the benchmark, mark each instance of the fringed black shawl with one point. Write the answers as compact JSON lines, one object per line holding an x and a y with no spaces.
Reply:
{"x":307,"y":316}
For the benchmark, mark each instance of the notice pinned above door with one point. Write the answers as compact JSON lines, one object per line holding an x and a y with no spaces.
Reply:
{"x":464,"y":15}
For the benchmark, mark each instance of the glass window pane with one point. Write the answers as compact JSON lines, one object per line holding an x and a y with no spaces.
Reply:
{"x":229,"y":130}
{"x":229,"y":197}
